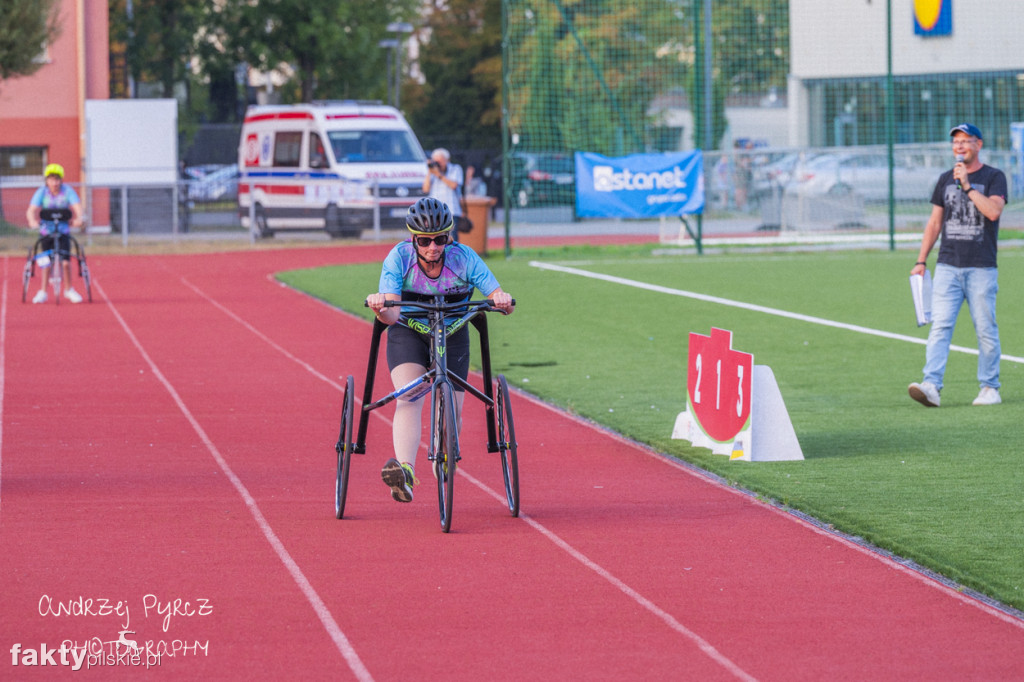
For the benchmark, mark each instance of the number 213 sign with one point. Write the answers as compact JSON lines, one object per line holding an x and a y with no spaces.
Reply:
{"x":718,"y":384}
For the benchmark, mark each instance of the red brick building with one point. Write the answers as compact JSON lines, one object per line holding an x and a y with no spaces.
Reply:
{"x":42,"y":116}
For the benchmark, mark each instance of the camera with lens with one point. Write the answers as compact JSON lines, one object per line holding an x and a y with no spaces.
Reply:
{"x":433,"y":164}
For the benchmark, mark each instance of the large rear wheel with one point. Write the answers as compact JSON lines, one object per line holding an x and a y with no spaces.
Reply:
{"x":344,"y":448}
{"x":444,"y":439}
{"x":507,"y":445}
{"x":83,"y":270}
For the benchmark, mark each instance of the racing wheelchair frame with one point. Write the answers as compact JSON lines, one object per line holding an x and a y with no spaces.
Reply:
{"x":443,"y":449}
{"x":54,"y":257}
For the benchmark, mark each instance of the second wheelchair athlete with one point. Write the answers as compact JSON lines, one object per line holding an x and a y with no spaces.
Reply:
{"x":427,"y":264}
{"x":55,"y":194}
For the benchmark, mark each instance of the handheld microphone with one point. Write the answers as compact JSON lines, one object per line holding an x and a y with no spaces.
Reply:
{"x":959,"y":159}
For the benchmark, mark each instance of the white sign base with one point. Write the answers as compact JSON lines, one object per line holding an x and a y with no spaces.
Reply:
{"x":770,"y":436}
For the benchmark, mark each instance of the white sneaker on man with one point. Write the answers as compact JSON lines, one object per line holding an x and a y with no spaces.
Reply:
{"x":73,"y":296}
{"x":988,"y":396}
{"x":40,"y":296}
{"x":925,"y":393}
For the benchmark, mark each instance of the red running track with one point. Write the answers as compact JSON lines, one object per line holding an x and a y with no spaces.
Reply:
{"x":173,"y":441}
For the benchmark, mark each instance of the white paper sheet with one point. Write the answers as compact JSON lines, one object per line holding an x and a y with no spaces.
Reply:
{"x":921,"y":291}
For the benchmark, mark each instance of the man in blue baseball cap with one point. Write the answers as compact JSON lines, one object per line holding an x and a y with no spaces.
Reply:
{"x":966,"y":205}
{"x":966,"y":128}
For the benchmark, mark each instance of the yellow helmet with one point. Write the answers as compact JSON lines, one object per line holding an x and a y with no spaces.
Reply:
{"x":54,"y":169}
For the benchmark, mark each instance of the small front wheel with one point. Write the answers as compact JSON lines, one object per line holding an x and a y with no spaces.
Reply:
{"x":57,"y":270}
{"x":444,"y":443}
{"x":507,"y":445}
{"x":26,"y":277}
{"x":344,"y":448}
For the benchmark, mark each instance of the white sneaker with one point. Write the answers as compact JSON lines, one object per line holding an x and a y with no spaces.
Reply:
{"x":988,"y":396}
{"x":924,"y":393}
{"x":73,"y":296}
{"x":40,"y":297}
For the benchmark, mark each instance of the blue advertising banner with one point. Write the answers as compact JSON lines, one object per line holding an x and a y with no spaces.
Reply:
{"x":639,"y":185}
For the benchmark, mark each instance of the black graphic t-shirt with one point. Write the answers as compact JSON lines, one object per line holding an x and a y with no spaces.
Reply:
{"x":968,"y":237}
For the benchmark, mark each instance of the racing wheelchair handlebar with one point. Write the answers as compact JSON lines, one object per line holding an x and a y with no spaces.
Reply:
{"x":54,"y":215}
{"x":486,"y":305}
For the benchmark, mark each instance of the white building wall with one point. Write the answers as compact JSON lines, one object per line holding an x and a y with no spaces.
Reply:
{"x":830,"y":39}
{"x":847,"y":39}
{"x":761,"y":124}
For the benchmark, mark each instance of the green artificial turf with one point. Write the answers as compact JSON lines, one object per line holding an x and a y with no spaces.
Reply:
{"x":943,"y":487}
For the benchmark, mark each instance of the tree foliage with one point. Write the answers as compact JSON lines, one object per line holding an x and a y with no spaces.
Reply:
{"x":160,"y":38}
{"x":751,"y":44}
{"x":460,"y":100}
{"x":584,"y":73}
{"x":26,"y":27}
{"x":331,"y":44}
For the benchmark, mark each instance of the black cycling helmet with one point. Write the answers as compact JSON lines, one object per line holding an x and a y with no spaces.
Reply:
{"x":429,"y":216}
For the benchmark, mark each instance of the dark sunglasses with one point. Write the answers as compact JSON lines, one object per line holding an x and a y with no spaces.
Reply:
{"x":440,"y":240}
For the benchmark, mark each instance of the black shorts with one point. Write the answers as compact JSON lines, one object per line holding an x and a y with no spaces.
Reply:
{"x":405,"y":345}
{"x":65,"y":244}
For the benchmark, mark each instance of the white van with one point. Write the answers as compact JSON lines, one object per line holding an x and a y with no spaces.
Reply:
{"x":337,"y":166}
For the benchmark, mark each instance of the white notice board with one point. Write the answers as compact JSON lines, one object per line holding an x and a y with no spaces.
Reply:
{"x":131,"y":141}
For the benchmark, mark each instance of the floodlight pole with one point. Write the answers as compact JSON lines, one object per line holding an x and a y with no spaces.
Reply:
{"x":890,"y":123}
{"x":506,"y":146}
{"x":399,"y":28}
{"x":703,"y":108}
{"x":390,"y":45}
{"x":708,"y":98}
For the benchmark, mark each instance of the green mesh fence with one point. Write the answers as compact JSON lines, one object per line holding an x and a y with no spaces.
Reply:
{"x":788,"y":101}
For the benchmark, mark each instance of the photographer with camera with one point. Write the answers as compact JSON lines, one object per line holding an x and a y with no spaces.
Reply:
{"x":444,"y":182}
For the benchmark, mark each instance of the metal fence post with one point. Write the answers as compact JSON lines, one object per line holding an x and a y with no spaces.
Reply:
{"x":124,"y":215}
{"x":376,"y":210}
{"x":252,"y":216}
{"x":174,"y":212}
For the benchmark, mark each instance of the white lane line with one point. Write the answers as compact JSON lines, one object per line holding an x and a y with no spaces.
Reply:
{"x":752,"y":307}
{"x":666,"y":617}
{"x":842,"y":538}
{"x":1001,"y":615}
{"x":323,"y":613}
{"x":3,"y":365}
{"x":636,"y":596}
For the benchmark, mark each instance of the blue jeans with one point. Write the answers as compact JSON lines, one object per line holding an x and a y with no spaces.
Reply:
{"x":950,"y":288}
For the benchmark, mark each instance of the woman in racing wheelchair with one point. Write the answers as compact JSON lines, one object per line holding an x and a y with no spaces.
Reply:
{"x":55,"y":194}
{"x":427,"y":264}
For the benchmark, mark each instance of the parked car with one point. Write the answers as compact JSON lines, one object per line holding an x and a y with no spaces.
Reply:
{"x":771,"y":178}
{"x":550,"y":179}
{"x":865,"y":175}
{"x":536,"y":178}
{"x":212,"y":182}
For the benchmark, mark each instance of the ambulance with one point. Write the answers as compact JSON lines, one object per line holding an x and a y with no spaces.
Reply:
{"x":337,"y":166}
